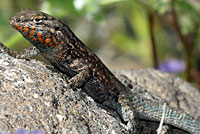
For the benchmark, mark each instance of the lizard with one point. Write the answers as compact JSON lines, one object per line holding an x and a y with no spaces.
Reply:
{"x":55,"y":41}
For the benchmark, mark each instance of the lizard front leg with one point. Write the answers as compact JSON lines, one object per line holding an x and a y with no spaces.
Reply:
{"x":79,"y":79}
{"x":78,"y":71}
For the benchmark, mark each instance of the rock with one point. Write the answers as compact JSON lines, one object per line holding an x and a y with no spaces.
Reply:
{"x":34,"y":96}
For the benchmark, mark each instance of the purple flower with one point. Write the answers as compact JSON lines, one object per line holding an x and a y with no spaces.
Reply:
{"x":172,"y":66}
{"x":37,"y":132}
{"x":21,"y":131}
{"x":4,"y":133}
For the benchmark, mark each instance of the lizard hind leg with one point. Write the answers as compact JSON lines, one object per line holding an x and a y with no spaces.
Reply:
{"x":126,"y":114}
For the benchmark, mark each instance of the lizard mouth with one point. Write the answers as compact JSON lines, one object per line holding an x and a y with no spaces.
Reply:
{"x":15,"y":23}
{"x":11,"y":22}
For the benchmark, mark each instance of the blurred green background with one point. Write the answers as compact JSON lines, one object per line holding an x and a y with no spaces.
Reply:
{"x":162,"y":34}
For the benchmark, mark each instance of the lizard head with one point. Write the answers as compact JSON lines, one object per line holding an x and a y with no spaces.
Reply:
{"x":38,"y":28}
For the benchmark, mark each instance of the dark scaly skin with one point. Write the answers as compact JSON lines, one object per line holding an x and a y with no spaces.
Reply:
{"x":57,"y":43}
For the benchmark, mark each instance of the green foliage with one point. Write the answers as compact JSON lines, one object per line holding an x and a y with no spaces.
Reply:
{"x":161,"y":6}
{"x":186,"y":7}
{"x":189,"y":15}
{"x":59,"y":8}
{"x":62,"y":8}
{"x":139,"y":44}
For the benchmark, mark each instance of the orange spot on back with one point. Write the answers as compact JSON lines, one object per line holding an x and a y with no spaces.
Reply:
{"x":30,"y":36}
{"x":61,"y":48}
{"x":57,"y":43}
{"x":48,"y":35}
{"x":20,"y":28}
{"x":47,"y":40}
{"x":64,"y":55}
{"x":34,"y":39}
{"x":40,"y":39}
{"x":51,"y":44}
{"x":62,"y":42}
{"x":78,"y":69}
{"x":63,"y":52}
{"x":16,"y":26}
{"x":39,"y":34}
{"x":26,"y":29}
{"x":32,"y":32}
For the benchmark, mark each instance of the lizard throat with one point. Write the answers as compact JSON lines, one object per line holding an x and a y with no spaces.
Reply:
{"x":37,"y":35}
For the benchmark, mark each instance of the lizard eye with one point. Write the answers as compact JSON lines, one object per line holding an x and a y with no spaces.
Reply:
{"x":37,"y":20}
{"x":17,"y":19}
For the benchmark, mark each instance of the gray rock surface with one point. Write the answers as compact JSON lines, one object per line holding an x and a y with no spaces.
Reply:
{"x":33,"y":95}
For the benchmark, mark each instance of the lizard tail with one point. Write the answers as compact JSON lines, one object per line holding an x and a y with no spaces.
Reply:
{"x":147,"y":109}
